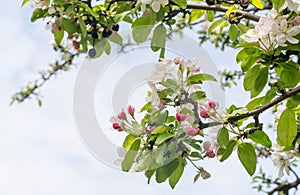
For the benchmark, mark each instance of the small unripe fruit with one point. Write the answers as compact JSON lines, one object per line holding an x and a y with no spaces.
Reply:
{"x":92,"y":52}
{"x":106,"y":32}
{"x":115,"y":27}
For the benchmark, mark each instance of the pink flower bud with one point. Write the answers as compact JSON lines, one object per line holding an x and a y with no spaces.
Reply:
{"x":161,"y":104}
{"x":116,"y":125}
{"x":204,"y":114}
{"x":193,"y":131}
{"x":178,"y":60}
{"x":296,"y":21}
{"x":212,"y":104}
{"x":180,"y":117}
{"x":131,"y":110}
{"x":122,"y":115}
{"x":152,"y":128}
{"x":210,"y":153}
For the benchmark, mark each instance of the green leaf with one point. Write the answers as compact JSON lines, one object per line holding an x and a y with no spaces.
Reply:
{"x":256,"y":79}
{"x":159,"y":38}
{"x":107,"y":47}
{"x":231,"y":9}
{"x":198,"y":95}
{"x":58,"y":35}
{"x":242,"y":28}
{"x":37,"y":14}
{"x":224,"y":153}
{"x":258,"y":3}
{"x":116,"y":38}
{"x":214,"y":25}
{"x":196,"y":14}
{"x":161,"y":118}
{"x":223,"y":137}
{"x":254,"y":103}
{"x":146,"y":107}
{"x":165,"y":171}
{"x":161,"y":138}
{"x":159,"y":129}
{"x":142,"y":26}
{"x":286,"y":128}
{"x":70,"y":27}
{"x":278,"y":4}
{"x":199,"y":78}
{"x":247,"y":157}
{"x":233,"y":32}
{"x":260,"y":137}
{"x":149,"y":174}
{"x":130,"y":155}
{"x":289,"y":78}
{"x":176,"y":175}
{"x":82,"y":27}
{"x":181,"y":3}
{"x":210,"y":15}
{"x":100,"y":47}
{"x":24,"y":2}
{"x":129,"y":140}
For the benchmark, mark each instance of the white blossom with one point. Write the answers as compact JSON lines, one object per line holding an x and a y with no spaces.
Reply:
{"x":155,"y":4}
{"x":39,"y":4}
{"x":162,"y":71}
{"x":153,"y":96}
{"x":291,"y":5}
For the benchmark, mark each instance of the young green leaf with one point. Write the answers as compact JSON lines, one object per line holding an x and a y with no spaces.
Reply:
{"x":260,"y":137}
{"x":214,"y":25}
{"x":258,"y":3}
{"x":176,"y":175}
{"x":129,"y":140}
{"x":58,"y":35}
{"x":287,"y":128}
{"x":223,"y":137}
{"x":163,"y":137}
{"x":198,"y":95}
{"x":130,"y":155}
{"x":181,"y":3}
{"x":159,"y":38}
{"x":37,"y":14}
{"x":165,"y":171}
{"x":224,"y":153}
{"x":24,"y":2}
{"x":199,"y":78}
{"x":247,"y":157}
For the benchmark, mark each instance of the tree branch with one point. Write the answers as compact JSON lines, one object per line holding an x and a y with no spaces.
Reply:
{"x":256,"y":111}
{"x":285,"y":188}
{"x":261,"y":109}
{"x":221,"y":8}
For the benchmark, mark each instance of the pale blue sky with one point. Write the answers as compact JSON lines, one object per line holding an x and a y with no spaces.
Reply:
{"x":41,"y":152}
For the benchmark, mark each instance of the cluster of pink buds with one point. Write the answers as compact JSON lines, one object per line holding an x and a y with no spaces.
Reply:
{"x":121,"y":117}
{"x":209,"y":108}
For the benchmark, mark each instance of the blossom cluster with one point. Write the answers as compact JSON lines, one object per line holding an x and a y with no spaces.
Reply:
{"x":275,"y":29}
{"x":176,"y":106}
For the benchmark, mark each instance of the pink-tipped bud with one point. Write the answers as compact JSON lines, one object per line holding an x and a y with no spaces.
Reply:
{"x":161,"y":104}
{"x":210,"y":153}
{"x":152,"y":128}
{"x":131,"y":110}
{"x":116,"y":125}
{"x":180,"y":117}
{"x":122,"y":115}
{"x":296,"y":21}
{"x":178,"y":60}
{"x":193,"y":131}
{"x":204,"y":114}
{"x":212,"y":104}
